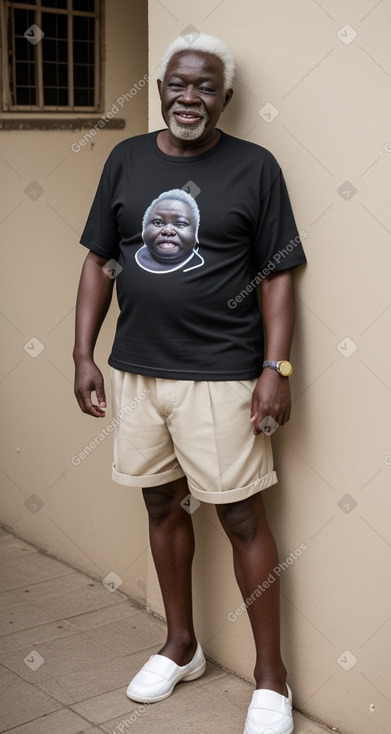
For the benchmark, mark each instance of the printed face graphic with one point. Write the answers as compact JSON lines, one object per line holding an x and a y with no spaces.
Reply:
{"x":170,"y":234}
{"x":170,"y":231}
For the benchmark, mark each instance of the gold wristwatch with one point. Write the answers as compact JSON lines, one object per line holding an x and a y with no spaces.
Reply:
{"x":283,"y":366}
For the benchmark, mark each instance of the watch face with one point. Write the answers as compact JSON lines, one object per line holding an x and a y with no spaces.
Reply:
{"x":285,"y":368}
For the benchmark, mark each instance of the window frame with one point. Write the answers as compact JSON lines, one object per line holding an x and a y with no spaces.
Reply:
{"x":8,"y":63}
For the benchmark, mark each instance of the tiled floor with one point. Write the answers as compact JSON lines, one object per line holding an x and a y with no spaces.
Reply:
{"x":68,"y":648}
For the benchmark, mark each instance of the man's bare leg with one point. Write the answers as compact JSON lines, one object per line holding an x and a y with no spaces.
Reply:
{"x":255,"y":555}
{"x":172,"y":545}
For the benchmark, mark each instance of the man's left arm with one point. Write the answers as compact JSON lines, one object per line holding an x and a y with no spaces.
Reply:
{"x":272,"y":395}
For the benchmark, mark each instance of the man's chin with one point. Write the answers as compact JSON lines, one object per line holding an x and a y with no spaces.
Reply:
{"x":187,"y":132}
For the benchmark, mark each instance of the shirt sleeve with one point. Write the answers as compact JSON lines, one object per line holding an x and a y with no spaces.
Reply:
{"x":277,"y":242}
{"x":101,"y":233}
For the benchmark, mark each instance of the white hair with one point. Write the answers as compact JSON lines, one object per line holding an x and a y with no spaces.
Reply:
{"x":175,"y":195}
{"x":207,"y":44}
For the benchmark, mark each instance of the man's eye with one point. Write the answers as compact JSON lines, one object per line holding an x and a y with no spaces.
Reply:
{"x":175,"y":84}
{"x":181,"y":224}
{"x":157,"y":222}
{"x":209,"y":90}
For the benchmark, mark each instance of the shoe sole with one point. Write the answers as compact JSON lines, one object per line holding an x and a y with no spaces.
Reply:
{"x":288,"y":731}
{"x":155,"y":699}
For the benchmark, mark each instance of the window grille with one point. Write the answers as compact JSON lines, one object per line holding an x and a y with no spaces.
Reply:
{"x":53,"y":55}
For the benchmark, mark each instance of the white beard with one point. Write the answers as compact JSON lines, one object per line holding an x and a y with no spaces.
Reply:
{"x":185,"y":132}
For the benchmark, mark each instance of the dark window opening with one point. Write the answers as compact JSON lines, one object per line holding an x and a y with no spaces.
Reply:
{"x":53,"y":54}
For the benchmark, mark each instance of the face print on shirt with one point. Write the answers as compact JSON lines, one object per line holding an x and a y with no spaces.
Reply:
{"x":170,"y":234}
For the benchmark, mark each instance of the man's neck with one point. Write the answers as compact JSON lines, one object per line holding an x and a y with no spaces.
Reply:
{"x":170,"y":145}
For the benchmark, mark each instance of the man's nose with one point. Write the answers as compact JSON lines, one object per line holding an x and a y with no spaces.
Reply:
{"x":189,"y":95}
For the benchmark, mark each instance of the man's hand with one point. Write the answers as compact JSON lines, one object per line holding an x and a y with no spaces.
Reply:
{"x":88,"y":378}
{"x":271,"y":397}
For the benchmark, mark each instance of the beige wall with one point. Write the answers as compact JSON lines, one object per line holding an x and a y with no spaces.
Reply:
{"x":334,"y":109}
{"x":333,"y":97}
{"x":85,"y":518}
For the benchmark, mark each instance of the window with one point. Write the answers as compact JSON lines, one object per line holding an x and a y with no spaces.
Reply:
{"x":51,"y":55}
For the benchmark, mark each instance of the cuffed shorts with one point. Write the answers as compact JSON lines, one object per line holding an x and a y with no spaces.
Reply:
{"x":166,"y":429}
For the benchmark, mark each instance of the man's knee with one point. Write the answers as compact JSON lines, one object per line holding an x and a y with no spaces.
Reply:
{"x":240,"y":520}
{"x":163,"y":502}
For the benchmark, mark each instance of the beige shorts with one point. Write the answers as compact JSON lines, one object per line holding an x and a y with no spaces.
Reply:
{"x":167,"y":429}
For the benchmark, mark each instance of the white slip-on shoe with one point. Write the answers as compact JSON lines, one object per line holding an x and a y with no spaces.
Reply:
{"x":269,"y":713}
{"x":157,"y":678}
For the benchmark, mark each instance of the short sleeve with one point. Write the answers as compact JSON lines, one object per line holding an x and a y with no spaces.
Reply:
{"x":277,"y":241}
{"x":101,"y":233}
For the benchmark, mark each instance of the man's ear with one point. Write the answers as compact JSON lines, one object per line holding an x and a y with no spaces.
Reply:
{"x":227,"y":97}
{"x":159,"y":86}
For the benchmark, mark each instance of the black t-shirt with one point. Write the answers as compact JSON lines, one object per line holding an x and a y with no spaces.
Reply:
{"x":199,"y":319}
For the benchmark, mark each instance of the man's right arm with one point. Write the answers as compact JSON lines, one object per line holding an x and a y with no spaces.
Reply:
{"x":93,"y":301}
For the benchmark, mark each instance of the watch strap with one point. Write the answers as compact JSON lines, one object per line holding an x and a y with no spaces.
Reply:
{"x":270,"y":363}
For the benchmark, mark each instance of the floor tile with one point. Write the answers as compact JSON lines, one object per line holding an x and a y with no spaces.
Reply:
{"x":189,"y":707}
{"x":89,"y":620}
{"x":121,"y":724}
{"x":7,"y":644}
{"x":212,"y":673}
{"x":55,"y":658}
{"x":6,"y":677}
{"x":70,"y":595}
{"x":54,"y":688}
{"x":108,"y":676}
{"x":12,"y":547}
{"x":124,"y":637}
{"x":8,"y":597}
{"x":21,"y":616}
{"x":18,"y":572}
{"x":43,"y":633}
{"x":218,"y":714}
{"x":238,"y":691}
{"x":106,"y":706}
{"x":304,"y":725}
{"x":59,"y":722}
{"x":21,"y":702}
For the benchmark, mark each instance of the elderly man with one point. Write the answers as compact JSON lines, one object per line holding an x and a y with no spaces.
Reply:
{"x":216,"y":375}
